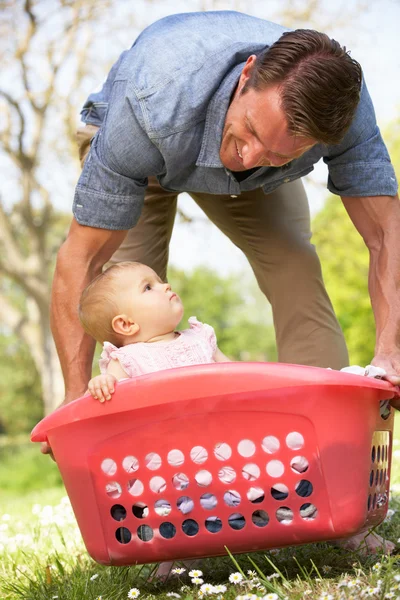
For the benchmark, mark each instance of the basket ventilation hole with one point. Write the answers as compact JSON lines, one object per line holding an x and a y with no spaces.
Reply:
{"x":299,"y":464}
{"x":167,"y":530}
{"x":222,"y":451}
{"x":260,"y":518}
{"x":373,"y":451}
{"x":113,"y":489}
{"x":275,"y":468}
{"x":294,"y":440}
{"x":232,"y":498}
{"x":140,"y":510}
{"x":153,"y":461}
{"x":255,"y":495}
{"x":199,"y":455}
{"x":246,"y":448}
{"x":308,"y":511}
{"x":227,"y":475}
{"x":251,"y":472}
{"x":109,"y":466}
{"x":208,"y":501}
{"x":175,"y":458}
{"x":385,"y":409}
{"x":304,"y":488}
{"x":135,"y":487}
{"x":123,"y":535}
{"x":145,"y":533}
{"x":130,"y":464}
{"x":157,"y":484}
{"x":190,"y":527}
{"x":279,"y":491}
{"x":118,"y":512}
{"x":284,"y":515}
{"x":270,"y":444}
{"x":185,"y":504}
{"x":236,"y":521}
{"x":180,"y":481}
{"x":203,"y":478}
{"x":162,"y":508}
{"x":213,"y":524}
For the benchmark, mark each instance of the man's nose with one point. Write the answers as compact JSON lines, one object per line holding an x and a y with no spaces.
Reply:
{"x":252,"y":155}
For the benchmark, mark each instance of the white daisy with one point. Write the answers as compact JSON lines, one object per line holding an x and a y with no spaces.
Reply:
{"x":173,"y":595}
{"x":93,"y":577}
{"x":178,"y":571}
{"x":235,"y":578}
{"x":207,"y":588}
{"x":133,"y":593}
{"x":197,"y":580}
{"x":220,"y":589}
{"x":271,"y":597}
{"x":195,"y":573}
{"x":325,"y":596}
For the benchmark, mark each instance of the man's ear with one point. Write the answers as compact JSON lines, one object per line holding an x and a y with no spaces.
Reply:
{"x":124,"y":325}
{"x":247,"y":70}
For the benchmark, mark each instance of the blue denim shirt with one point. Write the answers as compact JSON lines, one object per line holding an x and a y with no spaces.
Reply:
{"x":162,"y":111}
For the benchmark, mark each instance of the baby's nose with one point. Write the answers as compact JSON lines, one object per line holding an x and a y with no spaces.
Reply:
{"x":167,"y":287}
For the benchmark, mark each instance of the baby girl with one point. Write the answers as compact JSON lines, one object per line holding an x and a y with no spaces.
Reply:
{"x":134,"y":315}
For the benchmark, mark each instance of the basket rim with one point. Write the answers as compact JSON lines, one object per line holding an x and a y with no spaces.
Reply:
{"x":189,"y":383}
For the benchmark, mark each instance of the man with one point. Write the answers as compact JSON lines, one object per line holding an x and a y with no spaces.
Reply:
{"x":233,"y":110}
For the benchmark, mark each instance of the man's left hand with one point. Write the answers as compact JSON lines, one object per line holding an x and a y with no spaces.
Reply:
{"x":391,"y":364}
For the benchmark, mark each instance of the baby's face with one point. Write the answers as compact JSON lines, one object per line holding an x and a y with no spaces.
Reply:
{"x":150,"y":302}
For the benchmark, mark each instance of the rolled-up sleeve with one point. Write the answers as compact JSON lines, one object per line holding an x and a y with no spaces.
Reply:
{"x":360,"y":165}
{"x":110,"y":190}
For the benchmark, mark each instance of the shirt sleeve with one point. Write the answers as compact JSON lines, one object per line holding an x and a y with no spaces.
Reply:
{"x":360,"y":165}
{"x":206,"y":331}
{"x":110,"y":190}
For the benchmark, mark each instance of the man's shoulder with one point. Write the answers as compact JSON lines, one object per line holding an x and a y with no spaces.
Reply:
{"x":181,"y":44}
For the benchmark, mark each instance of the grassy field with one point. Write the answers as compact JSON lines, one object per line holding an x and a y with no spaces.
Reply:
{"x":42,"y":556}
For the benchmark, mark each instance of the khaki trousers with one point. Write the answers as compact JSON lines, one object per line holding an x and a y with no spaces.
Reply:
{"x":274,"y":233}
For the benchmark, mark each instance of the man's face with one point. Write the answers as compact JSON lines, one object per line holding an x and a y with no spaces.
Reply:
{"x":256,"y":132}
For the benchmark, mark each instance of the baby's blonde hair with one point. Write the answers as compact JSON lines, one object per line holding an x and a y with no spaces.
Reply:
{"x":100,"y":303}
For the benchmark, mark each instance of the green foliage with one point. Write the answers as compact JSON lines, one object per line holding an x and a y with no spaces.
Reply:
{"x":24,"y":469}
{"x":233,"y":306}
{"x":20,"y":390}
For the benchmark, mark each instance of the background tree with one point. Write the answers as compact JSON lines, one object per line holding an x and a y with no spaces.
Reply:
{"x":37,"y":60}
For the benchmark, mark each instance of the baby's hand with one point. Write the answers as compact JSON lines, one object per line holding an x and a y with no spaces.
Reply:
{"x":102,"y":386}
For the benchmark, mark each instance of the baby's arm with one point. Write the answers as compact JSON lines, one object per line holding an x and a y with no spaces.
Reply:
{"x":102,"y":386}
{"x":220,"y":356}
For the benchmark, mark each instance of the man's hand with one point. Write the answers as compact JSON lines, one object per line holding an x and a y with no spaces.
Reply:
{"x":102,"y":386}
{"x":391,"y":364}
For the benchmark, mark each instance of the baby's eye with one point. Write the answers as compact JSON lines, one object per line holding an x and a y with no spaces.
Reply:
{"x":147,"y":287}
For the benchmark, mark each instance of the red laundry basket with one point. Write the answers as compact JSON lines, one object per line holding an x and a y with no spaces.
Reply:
{"x":185,"y":462}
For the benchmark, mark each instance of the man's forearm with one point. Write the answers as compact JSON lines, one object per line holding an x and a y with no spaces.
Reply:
{"x":75,"y":348}
{"x":384,"y":280}
{"x":378,"y":221}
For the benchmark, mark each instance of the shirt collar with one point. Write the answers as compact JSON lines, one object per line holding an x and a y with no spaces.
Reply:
{"x":215,"y":120}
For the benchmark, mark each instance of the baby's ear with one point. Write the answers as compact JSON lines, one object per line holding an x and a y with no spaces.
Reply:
{"x":124,"y":325}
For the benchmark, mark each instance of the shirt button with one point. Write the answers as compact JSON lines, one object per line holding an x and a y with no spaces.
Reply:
{"x":286,"y":180}
{"x":233,"y":196}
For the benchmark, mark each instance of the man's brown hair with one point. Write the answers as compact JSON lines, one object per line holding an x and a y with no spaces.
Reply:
{"x":319,"y":83}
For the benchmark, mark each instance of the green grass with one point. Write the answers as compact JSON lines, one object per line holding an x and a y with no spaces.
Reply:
{"x":42,"y":556}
